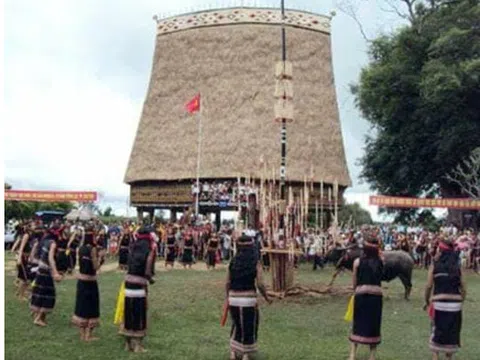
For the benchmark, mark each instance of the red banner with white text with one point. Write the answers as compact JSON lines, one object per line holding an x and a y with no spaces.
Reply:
{"x":50,"y":196}
{"x":406,"y":202}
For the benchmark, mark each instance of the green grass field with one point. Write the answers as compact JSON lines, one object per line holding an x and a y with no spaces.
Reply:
{"x":184,"y":313}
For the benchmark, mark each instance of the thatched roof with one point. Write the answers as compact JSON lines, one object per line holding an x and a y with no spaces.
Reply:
{"x":232,"y":66}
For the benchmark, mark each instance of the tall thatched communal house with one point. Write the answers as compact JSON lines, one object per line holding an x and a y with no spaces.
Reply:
{"x":229,"y":56}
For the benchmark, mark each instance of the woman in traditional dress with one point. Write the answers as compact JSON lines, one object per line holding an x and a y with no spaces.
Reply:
{"x":43,"y":293}
{"x":368,"y":302}
{"x":212,"y":248}
{"x":449,"y":291}
{"x":125,"y":240}
{"x":102,"y":243}
{"x":170,"y":248}
{"x":187,"y":251}
{"x":404,"y":244}
{"x":87,"y":304}
{"x":23,"y":268}
{"x":244,"y":277}
{"x":139,"y":275}
{"x":74,"y":242}
{"x":422,"y":250}
{"x":61,"y":257}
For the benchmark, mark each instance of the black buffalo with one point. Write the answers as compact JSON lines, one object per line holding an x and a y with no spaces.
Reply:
{"x":396,"y":264}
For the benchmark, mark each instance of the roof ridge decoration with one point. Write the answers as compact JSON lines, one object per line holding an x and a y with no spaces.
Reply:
{"x":243,"y":15}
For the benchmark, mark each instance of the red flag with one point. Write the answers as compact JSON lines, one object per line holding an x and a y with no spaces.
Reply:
{"x":193,"y":105}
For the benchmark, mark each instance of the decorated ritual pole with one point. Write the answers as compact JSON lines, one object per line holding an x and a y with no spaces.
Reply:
{"x":282,"y":251}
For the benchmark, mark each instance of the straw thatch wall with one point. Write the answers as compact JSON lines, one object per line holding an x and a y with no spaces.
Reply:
{"x":233,"y":68}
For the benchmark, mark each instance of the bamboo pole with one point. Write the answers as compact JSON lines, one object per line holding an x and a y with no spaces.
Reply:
{"x":321,"y":205}
{"x":335,"y":191}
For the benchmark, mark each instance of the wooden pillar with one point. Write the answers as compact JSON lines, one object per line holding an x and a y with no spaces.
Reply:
{"x":252,"y":211}
{"x":139,"y":214}
{"x":173,"y":215}
{"x":151,"y":213}
{"x":218,"y":220}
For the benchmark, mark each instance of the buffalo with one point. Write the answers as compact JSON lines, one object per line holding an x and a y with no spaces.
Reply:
{"x":396,"y":264}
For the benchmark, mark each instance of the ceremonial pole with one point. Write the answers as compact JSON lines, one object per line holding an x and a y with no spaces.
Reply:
{"x":199,"y":151}
{"x":283,"y":131}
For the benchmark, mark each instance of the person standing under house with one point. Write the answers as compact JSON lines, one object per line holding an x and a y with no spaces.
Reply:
{"x":43,"y":294}
{"x":61,"y":257}
{"x":368,"y":302}
{"x":102,"y":245}
{"x":87,"y":304}
{"x":23,"y":268}
{"x":227,"y":245}
{"x":170,"y":249}
{"x":244,"y":277}
{"x":139,"y":275}
{"x":212,"y":248}
{"x":161,"y":243}
{"x":404,"y":245}
{"x":449,"y":292}
{"x":318,"y":252}
{"x":123,"y":248}
{"x":75,"y":240}
{"x":187,"y":251}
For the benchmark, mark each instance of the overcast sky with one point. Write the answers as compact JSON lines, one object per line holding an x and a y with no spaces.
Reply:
{"x":80,"y":69}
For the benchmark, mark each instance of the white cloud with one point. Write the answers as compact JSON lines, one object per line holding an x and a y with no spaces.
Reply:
{"x":76,"y":75}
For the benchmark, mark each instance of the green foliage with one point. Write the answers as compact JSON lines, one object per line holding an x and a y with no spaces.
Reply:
{"x":421,"y":94}
{"x":27,"y":209}
{"x":354,"y":214}
{"x":428,"y":220}
{"x":108,"y":211}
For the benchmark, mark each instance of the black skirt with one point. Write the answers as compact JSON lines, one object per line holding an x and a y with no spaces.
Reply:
{"x":446,"y":327}
{"x":87,"y":305}
{"x":367,"y":319}
{"x":211,"y":258}
{"x":43,"y":292}
{"x":135,"y":313}
{"x":187,"y":257}
{"x":24,"y":270}
{"x":123,"y":256}
{"x":171,"y":255}
{"x":62,"y":261}
{"x":244,"y":333}
{"x":72,"y":259}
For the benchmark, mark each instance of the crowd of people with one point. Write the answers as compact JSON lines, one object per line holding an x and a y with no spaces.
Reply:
{"x":420,"y":243}
{"x":229,"y":192}
{"x":48,"y":253}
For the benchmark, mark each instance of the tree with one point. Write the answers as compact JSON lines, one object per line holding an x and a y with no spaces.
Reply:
{"x":467,"y":175}
{"x":108,"y":211}
{"x":351,"y":214}
{"x":420,"y":93}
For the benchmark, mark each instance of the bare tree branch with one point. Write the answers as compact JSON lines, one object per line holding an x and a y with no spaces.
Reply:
{"x":394,"y":9}
{"x":411,"y":10}
{"x":467,"y":175}
{"x":348,"y":8}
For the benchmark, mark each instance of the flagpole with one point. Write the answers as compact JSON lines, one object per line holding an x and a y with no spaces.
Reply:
{"x":199,"y":149}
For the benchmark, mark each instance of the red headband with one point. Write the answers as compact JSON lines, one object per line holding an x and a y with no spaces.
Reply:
{"x":144,"y":237}
{"x":444,"y":246}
